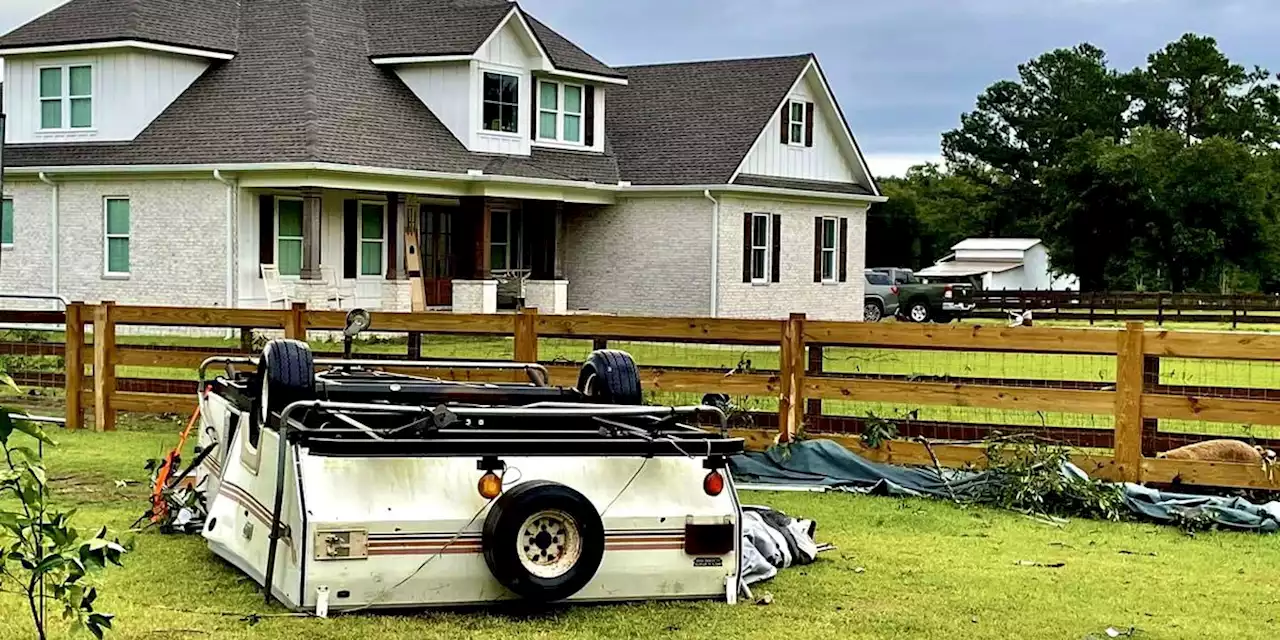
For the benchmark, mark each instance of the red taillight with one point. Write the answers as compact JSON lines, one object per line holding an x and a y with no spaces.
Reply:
{"x":947,"y":293}
{"x":713,"y":484}
{"x":894,"y":289}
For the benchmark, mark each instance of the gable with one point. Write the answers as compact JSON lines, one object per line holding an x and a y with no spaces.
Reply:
{"x":832,"y":156}
{"x":512,"y":45}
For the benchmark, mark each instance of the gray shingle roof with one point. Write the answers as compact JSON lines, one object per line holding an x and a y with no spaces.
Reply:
{"x":567,"y":55}
{"x":431,"y":27}
{"x":202,"y":24}
{"x":802,"y":185}
{"x":693,"y":123}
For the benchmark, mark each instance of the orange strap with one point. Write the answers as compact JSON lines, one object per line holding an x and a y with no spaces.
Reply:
{"x":158,"y":506}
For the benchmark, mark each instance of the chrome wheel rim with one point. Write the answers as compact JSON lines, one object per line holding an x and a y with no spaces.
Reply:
{"x":549,"y":544}
{"x":919,"y":313}
{"x":871,"y":313}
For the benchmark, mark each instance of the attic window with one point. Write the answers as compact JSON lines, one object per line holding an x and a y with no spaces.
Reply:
{"x":501,"y":102}
{"x":66,"y":97}
{"x":796,"y":122}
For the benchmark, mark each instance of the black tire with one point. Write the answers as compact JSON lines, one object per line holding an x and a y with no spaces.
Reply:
{"x":287,"y":374}
{"x":511,"y":532}
{"x":610,"y":377}
{"x":872,"y":310}
{"x":918,"y":310}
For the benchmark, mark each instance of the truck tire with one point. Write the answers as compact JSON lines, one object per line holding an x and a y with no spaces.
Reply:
{"x":610,"y":377}
{"x":872,"y":310}
{"x":543,"y":540}
{"x":918,"y":310}
{"x":287,"y":371}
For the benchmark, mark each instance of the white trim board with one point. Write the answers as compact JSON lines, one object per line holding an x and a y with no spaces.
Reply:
{"x":117,"y":44}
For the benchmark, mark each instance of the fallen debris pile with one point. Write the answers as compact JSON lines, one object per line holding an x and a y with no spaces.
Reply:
{"x":825,"y":465}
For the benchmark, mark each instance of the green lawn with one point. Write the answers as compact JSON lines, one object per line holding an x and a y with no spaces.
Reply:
{"x":902,"y":569}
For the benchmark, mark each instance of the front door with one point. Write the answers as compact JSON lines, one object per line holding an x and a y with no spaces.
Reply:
{"x":437,"y":256}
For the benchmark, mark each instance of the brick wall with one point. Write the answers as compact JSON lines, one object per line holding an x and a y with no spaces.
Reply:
{"x":796,"y":292}
{"x":177,"y":241}
{"x":642,"y":256}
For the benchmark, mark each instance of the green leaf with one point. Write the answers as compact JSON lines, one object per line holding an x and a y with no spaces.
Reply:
{"x":31,"y":429}
{"x":6,"y":425}
{"x":6,"y":381}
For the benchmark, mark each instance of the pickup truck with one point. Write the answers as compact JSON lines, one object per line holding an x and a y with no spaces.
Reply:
{"x":923,"y":302}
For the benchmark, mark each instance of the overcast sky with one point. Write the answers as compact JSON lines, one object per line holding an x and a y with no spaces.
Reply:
{"x":903,"y":70}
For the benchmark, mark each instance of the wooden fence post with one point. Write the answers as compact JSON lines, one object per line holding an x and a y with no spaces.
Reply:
{"x":526,"y":336}
{"x":415,"y":345}
{"x":791,"y":375}
{"x":104,"y":367}
{"x":1150,"y":426}
{"x":295,"y":324}
{"x":73,"y":365}
{"x":1128,"y":412}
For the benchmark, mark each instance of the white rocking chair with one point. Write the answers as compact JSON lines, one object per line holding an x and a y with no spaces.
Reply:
{"x":335,"y":292}
{"x":276,"y":291}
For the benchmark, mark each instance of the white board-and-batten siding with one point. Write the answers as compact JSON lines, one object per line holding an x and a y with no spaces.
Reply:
{"x":826,"y":161}
{"x":131,"y":88}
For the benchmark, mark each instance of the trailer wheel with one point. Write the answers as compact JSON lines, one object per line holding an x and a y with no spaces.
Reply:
{"x":611,"y":377}
{"x":543,"y":540}
{"x":287,"y":371}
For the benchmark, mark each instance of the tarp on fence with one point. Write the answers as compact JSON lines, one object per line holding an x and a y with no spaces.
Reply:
{"x":826,"y":464}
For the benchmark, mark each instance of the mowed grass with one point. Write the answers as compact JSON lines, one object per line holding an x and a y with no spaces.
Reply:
{"x":902,"y":569}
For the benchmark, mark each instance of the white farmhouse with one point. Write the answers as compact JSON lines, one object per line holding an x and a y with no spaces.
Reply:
{"x":166,"y":151}
{"x":1001,"y":263}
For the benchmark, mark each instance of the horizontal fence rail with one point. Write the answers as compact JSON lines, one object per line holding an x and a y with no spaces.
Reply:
{"x":1157,"y":307}
{"x":811,"y":378}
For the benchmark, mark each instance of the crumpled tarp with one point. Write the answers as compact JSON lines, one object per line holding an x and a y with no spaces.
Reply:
{"x":772,"y":540}
{"x":826,"y":464}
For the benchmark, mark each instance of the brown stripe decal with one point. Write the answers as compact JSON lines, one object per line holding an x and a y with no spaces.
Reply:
{"x":422,"y":544}
{"x":246,"y":500}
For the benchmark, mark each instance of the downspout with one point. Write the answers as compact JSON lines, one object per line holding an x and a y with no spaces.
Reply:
{"x":230,"y":241}
{"x":53,"y":252}
{"x":715,"y":254}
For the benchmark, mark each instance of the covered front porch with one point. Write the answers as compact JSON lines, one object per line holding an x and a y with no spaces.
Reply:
{"x":341,"y":249}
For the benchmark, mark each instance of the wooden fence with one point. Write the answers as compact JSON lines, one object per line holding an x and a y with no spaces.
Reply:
{"x":1136,"y":400}
{"x":1153,"y":306}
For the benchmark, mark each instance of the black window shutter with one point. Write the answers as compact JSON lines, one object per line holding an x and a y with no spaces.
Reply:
{"x":843,"y":256}
{"x":777,"y":248}
{"x":746,"y":247}
{"x":589,"y":116}
{"x":350,"y":239}
{"x":817,"y":249}
{"x":266,"y":231}
{"x":786,"y":122}
{"x":533,"y":113}
{"x":808,"y":124}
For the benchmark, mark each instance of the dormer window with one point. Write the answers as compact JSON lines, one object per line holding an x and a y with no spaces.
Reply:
{"x":501,"y":94}
{"x":66,"y":97}
{"x":560,"y":111}
{"x":796,"y":122}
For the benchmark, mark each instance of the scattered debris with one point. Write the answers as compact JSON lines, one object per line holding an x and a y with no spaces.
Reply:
{"x":1126,"y":552}
{"x":1045,"y":565}
{"x":859,"y":569}
{"x":765,"y":599}
{"x":1113,"y":632}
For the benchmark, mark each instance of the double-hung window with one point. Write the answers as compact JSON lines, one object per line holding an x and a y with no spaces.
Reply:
{"x":797,"y":114}
{"x":66,"y":97}
{"x":761,"y":244}
{"x":6,"y":222}
{"x":560,"y":110}
{"x":289,"y":236}
{"x":372,"y":238}
{"x":830,"y":249}
{"x":505,"y":240}
{"x":501,"y":98}
{"x":116,"y":241}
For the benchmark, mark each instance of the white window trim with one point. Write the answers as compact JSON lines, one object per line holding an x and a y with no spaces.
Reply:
{"x":66,"y":97}
{"x":561,"y":112}
{"x":278,"y":237}
{"x":834,"y":251}
{"x":107,"y":237}
{"x":382,"y":260}
{"x":510,"y":249}
{"x":13,"y":208}
{"x":767,"y":247}
{"x":519,"y":103}
{"x":791,"y":121}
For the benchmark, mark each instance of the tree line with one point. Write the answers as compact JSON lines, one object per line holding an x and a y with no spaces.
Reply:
{"x":1164,"y":177}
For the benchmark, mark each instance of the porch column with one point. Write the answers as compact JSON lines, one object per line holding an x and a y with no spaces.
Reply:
{"x":396,"y":204}
{"x":311,"y":240}
{"x":475,"y":213}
